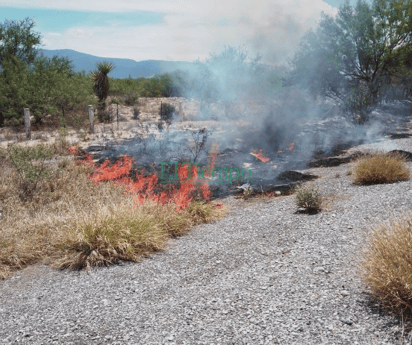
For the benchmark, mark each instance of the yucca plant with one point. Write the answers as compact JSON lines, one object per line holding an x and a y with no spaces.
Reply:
{"x":101,"y":80}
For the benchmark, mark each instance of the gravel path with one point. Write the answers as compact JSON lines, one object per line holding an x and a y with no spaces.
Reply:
{"x":262,"y":275}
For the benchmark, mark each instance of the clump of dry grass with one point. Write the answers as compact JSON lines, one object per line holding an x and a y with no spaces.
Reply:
{"x":71,"y":222}
{"x":386,"y":265}
{"x":125,"y":232}
{"x":380,"y":168}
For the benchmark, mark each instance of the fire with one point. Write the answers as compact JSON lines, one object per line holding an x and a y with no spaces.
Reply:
{"x":143,"y":188}
{"x":212,"y":163}
{"x":117,"y":170}
{"x":290,"y":148}
{"x":259,"y":155}
{"x":72,"y":150}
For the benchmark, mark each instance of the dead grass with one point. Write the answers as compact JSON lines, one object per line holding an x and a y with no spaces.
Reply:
{"x":386,"y":266}
{"x":70,"y":222}
{"x":380,"y":168}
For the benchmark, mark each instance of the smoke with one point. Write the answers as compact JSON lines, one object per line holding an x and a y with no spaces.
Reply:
{"x":257,"y":111}
{"x":235,"y":86}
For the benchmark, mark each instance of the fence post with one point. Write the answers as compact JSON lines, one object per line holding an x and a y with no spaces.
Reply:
{"x":117,"y":112}
{"x":91,"y":118}
{"x":27,"y":123}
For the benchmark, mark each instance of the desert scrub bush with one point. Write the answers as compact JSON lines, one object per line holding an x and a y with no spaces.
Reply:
{"x":309,"y":199}
{"x":130,"y":98}
{"x":380,"y":168}
{"x":386,"y":265}
{"x":358,"y":103}
{"x":166,"y":112}
{"x":136,"y":113}
{"x":29,"y":162}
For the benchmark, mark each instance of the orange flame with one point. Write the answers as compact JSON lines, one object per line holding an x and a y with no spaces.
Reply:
{"x":144,"y":187}
{"x":72,"y":150}
{"x":290,"y":148}
{"x":117,"y":170}
{"x":211,"y":165}
{"x":259,"y":155}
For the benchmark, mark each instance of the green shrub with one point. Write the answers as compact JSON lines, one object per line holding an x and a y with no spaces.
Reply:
{"x":136,"y":113}
{"x":130,"y":98}
{"x":47,"y":88}
{"x":358,"y":103}
{"x":152,"y":87}
{"x":30,"y":165}
{"x":308,"y":199}
{"x":102,"y":114}
{"x":122,"y":86}
{"x":167,"y":112}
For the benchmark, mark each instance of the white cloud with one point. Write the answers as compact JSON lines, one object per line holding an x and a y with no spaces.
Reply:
{"x":191,"y":28}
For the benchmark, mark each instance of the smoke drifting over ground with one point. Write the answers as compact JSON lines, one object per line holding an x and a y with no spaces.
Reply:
{"x":233,"y":86}
{"x":253,"y":111}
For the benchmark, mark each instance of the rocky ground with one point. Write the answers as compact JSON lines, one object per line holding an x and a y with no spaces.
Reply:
{"x":265,"y":274}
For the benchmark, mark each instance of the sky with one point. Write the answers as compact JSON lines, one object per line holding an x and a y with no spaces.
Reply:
{"x":176,"y":30}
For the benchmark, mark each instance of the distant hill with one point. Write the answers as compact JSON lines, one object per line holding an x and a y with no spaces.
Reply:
{"x":124,"y":67}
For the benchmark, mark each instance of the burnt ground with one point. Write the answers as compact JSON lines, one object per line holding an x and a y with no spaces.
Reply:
{"x":282,"y":173}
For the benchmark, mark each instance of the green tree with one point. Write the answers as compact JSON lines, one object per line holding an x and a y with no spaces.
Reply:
{"x":44,"y":88}
{"x":232,"y":72}
{"x":222,"y":77}
{"x":73,"y":94}
{"x":159,"y":86}
{"x":18,"y":40}
{"x":152,"y":87}
{"x":13,"y":92}
{"x":28,"y":87}
{"x":179,"y":83}
{"x":395,"y":19}
{"x":353,"y":50}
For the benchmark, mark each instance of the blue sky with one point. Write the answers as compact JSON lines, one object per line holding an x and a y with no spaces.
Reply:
{"x":180,"y":30}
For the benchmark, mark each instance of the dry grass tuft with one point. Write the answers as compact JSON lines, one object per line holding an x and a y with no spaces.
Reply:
{"x":71,"y":222}
{"x":380,"y":168}
{"x":125,"y":232}
{"x":386,"y":266}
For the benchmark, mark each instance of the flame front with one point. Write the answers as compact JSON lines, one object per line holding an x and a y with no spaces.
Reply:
{"x":143,"y":188}
{"x":259,"y":155}
{"x":290,"y":148}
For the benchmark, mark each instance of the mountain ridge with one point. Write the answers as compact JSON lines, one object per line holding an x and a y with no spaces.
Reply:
{"x":124,"y":67}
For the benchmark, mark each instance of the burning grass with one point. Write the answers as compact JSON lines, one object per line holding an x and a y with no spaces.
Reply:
{"x":79,"y":217}
{"x":380,"y":168}
{"x":386,"y":266}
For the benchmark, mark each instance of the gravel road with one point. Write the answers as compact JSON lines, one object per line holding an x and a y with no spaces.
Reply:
{"x":263,"y":275}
